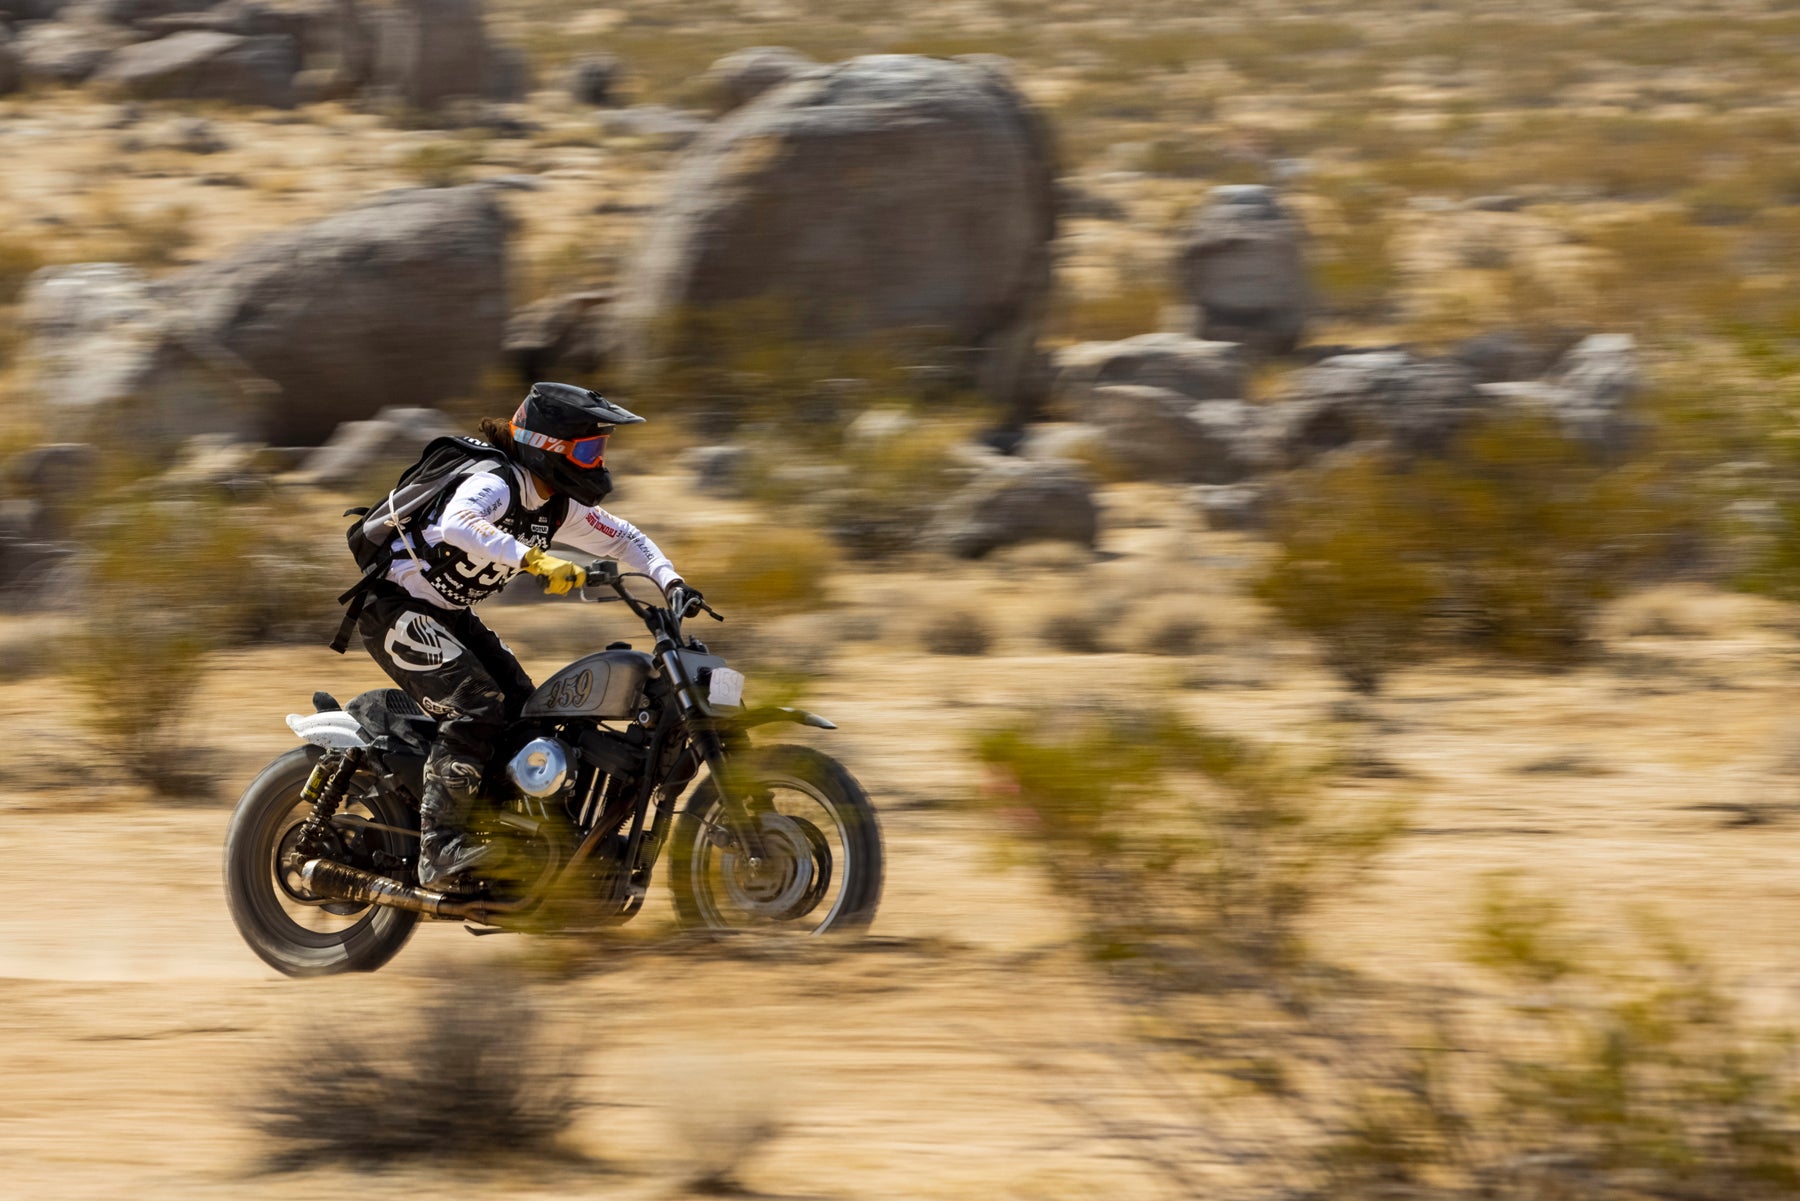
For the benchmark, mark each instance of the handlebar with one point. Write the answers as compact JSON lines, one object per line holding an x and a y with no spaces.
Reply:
{"x":605,"y":572}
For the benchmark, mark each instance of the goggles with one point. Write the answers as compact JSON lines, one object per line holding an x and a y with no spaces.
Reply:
{"x":583,"y":452}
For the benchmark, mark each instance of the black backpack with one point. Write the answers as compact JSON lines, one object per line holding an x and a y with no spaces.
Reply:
{"x":408,"y":504}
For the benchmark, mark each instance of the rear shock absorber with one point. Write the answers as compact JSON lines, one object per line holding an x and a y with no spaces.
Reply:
{"x":326,"y":787}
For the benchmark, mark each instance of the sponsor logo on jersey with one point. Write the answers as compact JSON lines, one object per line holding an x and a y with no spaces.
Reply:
{"x":593,"y":519}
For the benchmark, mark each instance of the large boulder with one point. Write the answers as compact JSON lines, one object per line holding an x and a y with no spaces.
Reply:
{"x":1417,"y":405}
{"x":1242,"y":268}
{"x":1017,"y":502}
{"x":66,"y":53}
{"x":742,"y":76}
{"x":1156,"y":434}
{"x":9,"y":64}
{"x":359,"y":451}
{"x":884,"y":196}
{"x":400,"y":301}
{"x":1588,"y":393}
{"x":428,"y":51}
{"x":207,"y":65}
{"x":1197,"y":369}
{"x":106,"y":352}
{"x":559,"y":335}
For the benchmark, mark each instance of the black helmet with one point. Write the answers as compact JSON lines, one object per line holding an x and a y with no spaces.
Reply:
{"x":559,"y":435}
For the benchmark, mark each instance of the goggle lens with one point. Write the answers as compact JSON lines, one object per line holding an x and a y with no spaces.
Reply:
{"x":589,"y":452}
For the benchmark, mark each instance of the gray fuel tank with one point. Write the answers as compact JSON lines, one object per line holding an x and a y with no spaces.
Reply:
{"x":604,"y":685}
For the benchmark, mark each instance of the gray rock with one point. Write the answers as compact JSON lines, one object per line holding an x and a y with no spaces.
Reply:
{"x":669,"y":128}
{"x":883,"y":196}
{"x":121,"y":364}
{"x":510,"y":77}
{"x":137,"y":14}
{"x":399,"y":301}
{"x":54,"y":480}
{"x":359,"y":450}
{"x":193,"y":135}
{"x":203,"y":65}
{"x":54,"y":52}
{"x":1072,"y":441}
{"x":427,"y":51}
{"x":560,"y":334}
{"x":1231,"y":506}
{"x":1157,"y":434}
{"x":1201,"y":370}
{"x":1602,"y":369}
{"x":873,"y":427}
{"x":718,"y":470}
{"x":1588,"y":393}
{"x":1018,"y":502}
{"x":594,"y":79}
{"x":742,"y":76}
{"x":1242,"y":268}
{"x":1417,"y":405}
{"x":1494,"y":358}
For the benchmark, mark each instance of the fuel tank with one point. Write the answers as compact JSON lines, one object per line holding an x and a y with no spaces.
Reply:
{"x":605,"y":685}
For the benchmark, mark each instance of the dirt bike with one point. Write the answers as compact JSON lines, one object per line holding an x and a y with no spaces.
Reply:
{"x":581,"y":800}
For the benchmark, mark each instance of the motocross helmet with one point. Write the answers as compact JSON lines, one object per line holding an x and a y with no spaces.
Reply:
{"x":559,"y":435}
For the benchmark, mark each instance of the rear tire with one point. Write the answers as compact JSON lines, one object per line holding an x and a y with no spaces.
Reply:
{"x":834,"y":887}
{"x":264,"y":915}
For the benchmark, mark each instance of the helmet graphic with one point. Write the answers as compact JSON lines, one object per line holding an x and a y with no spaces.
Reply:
{"x":559,"y":435}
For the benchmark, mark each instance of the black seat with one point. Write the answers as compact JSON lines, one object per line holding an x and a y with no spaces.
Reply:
{"x":390,"y":713}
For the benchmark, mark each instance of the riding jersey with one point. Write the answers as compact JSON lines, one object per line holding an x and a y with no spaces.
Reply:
{"x":478,"y":539}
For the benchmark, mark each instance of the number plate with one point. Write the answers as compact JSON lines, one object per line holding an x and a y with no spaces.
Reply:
{"x":726,"y":690}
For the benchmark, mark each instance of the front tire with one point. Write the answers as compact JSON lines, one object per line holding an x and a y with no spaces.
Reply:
{"x":824,"y":867}
{"x":291,"y":936}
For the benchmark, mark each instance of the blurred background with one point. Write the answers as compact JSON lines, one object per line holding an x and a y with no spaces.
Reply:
{"x":1293,"y":508}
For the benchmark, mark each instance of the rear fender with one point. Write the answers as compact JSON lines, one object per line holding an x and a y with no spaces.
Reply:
{"x":334,"y":730}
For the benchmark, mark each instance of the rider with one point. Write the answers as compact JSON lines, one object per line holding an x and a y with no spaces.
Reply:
{"x":496,"y":521}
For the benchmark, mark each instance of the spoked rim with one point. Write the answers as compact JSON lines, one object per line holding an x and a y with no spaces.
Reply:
{"x":309,"y":920}
{"x":799,"y":888}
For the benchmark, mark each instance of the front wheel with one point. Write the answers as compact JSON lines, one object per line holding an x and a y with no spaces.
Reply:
{"x":296,"y":933}
{"x":821,"y":865}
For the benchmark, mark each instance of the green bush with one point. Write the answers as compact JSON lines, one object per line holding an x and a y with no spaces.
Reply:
{"x":1509,"y":546}
{"x":1193,"y":855}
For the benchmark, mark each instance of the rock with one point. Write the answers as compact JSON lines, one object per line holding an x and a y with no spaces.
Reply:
{"x":193,"y":135}
{"x":872,"y":427}
{"x":594,"y":79}
{"x":1231,"y":506}
{"x":207,"y":66}
{"x":1201,"y":370}
{"x":121,"y":364}
{"x":510,"y":77}
{"x":742,"y":76}
{"x":1157,"y":434}
{"x":54,"y":52}
{"x":1073,"y":441}
{"x":668,"y":128}
{"x":218,"y":462}
{"x":1496,"y":357}
{"x":1588,"y":393}
{"x":137,"y":14}
{"x":399,"y":301}
{"x":1015,"y":502}
{"x":1417,"y":405}
{"x":1602,"y":369}
{"x":879,"y":197}
{"x":559,"y":335}
{"x":427,"y":51}
{"x":359,"y":450}
{"x":10,"y":75}
{"x":1241,"y":267}
{"x":718,"y":470}
{"x":1075,"y":201}
{"x":55,"y":480}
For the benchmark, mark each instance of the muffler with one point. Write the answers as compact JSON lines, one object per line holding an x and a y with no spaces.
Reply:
{"x":341,"y":882}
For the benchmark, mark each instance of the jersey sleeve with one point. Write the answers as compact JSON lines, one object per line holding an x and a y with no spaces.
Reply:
{"x":468,"y":521}
{"x":600,"y":533}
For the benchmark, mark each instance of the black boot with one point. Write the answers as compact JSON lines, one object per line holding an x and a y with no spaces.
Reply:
{"x":445,"y":851}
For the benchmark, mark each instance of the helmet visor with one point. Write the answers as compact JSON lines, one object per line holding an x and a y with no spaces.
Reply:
{"x":588,"y":452}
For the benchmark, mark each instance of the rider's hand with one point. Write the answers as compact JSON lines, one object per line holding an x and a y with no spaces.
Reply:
{"x":684,"y":599}
{"x":560,"y":575}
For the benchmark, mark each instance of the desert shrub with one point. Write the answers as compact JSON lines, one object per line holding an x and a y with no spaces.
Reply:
{"x":1132,"y":308}
{"x":1075,"y":632}
{"x":1193,"y":856}
{"x":776,"y":571}
{"x":471,"y":1078}
{"x":1602,"y":1081}
{"x":1353,"y":267}
{"x":154,"y":238}
{"x":1507,"y":546}
{"x":441,"y":164}
{"x":956,"y":634}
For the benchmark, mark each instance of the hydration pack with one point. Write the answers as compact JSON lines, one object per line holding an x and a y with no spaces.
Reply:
{"x":406,"y":508}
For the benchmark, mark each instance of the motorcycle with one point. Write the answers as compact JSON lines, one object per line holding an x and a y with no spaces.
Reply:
{"x":581,"y":800}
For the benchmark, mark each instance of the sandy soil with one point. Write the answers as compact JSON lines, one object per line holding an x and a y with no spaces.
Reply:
{"x":964,"y":1049}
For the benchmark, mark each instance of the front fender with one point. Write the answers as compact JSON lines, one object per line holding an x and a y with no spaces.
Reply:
{"x":770,"y":714}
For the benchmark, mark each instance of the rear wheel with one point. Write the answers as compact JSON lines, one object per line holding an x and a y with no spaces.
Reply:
{"x":821,"y":866}
{"x":292,"y":931}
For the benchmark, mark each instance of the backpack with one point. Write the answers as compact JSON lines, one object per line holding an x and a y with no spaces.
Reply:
{"x":411,"y":500}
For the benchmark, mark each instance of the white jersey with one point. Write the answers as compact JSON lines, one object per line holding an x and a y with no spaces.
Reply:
{"x":490,"y":556}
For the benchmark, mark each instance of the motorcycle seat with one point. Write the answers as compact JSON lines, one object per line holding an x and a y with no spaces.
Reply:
{"x":390,"y":713}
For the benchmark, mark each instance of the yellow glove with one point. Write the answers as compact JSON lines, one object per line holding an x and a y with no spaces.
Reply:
{"x":560,"y":575}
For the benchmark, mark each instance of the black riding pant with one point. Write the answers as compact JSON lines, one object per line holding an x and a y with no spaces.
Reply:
{"x":461,"y":674}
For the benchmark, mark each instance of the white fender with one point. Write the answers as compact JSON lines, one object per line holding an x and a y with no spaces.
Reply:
{"x":335,"y":731}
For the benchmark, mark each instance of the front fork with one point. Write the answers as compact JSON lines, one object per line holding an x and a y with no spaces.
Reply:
{"x":735,"y":793}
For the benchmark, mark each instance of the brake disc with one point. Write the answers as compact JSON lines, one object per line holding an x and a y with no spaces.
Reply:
{"x":778,"y":888}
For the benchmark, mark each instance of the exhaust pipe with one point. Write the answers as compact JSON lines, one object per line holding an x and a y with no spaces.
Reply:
{"x":341,"y":882}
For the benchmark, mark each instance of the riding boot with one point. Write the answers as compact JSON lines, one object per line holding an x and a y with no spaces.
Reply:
{"x":446,"y":851}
